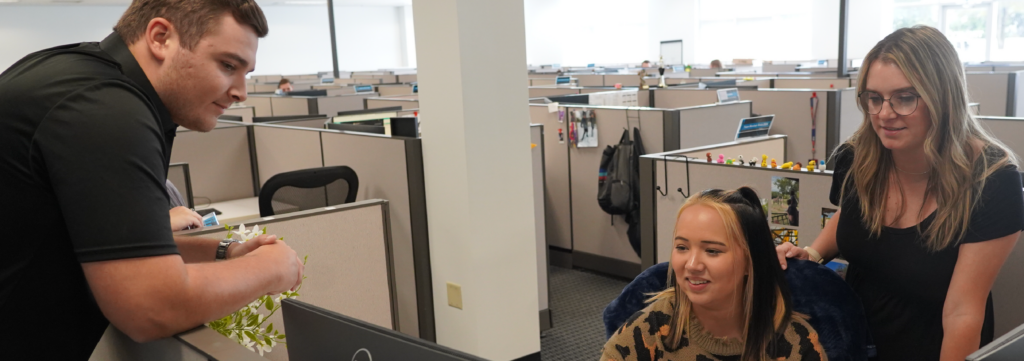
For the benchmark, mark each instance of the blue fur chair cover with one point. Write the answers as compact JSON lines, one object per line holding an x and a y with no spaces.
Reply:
{"x":834,"y":309}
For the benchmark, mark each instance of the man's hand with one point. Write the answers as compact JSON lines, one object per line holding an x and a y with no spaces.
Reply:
{"x":236,"y":250}
{"x":183,"y":218}
{"x":280,"y":254}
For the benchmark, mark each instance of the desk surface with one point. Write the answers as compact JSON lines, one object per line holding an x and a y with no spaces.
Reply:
{"x":239,"y":210}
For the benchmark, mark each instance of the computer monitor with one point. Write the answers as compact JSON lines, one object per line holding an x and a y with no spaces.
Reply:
{"x":308,"y":93}
{"x":562,"y":80}
{"x":362,"y":128}
{"x":754,"y":127}
{"x":364,"y":88}
{"x":366,"y":114}
{"x":316,"y":334}
{"x":181,"y":178}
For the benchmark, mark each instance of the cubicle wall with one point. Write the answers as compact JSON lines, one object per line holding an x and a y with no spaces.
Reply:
{"x":711,"y":123}
{"x":260,"y":105}
{"x":997,"y":92}
{"x":245,"y":111}
{"x":537,"y":154}
{"x":388,"y":168}
{"x":274,"y":105}
{"x":683,"y":97}
{"x":811,"y":83}
{"x":1008,"y":130}
{"x":407,"y":78}
{"x":349,"y":271}
{"x":373,"y":103}
{"x":540,"y":92}
{"x":394,"y":89}
{"x":836,"y":108}
{"x":220,"y":162}
{"x":658,"y":214}
{"x":774,"y":146}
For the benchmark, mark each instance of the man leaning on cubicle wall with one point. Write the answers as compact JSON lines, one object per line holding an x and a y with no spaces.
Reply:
{"x":86,"y":132}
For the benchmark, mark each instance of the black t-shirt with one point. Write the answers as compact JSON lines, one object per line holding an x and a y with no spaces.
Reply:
{"x":901,"y":284}
{"x":85,"y":142}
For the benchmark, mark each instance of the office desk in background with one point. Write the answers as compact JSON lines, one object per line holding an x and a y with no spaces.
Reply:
{"x":238,"y":210}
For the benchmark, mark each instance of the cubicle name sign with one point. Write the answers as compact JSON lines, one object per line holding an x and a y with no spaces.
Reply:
{"x":754,"y":127}
{"x":728,"y":95}
{"x":562,"y":80}
{"x":364,"y":88}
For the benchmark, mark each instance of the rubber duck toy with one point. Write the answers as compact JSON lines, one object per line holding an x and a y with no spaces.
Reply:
{"x":774,"y":166}
{"x":721,"y":158}
{"x":787,"y":165}
{"x":741,"y":160}
{"x":709,"y":157}
{"x":810,"y":165}
{"x":764,"y":160}
{"x":797,"y":166}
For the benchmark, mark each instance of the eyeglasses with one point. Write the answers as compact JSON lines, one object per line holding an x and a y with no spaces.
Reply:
{"x":902,"y":103}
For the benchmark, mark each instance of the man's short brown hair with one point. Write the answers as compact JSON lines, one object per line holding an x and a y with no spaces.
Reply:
{"x":192,"y":18}
{"x":283,"y":82}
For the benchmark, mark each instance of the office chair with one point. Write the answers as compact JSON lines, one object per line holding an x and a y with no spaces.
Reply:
{"x":834,"y":308}
{"x":308,"y":189}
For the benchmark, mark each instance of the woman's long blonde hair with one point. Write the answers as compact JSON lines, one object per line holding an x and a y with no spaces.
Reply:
{"x":766,"y":302}
{"x":957,"y":171}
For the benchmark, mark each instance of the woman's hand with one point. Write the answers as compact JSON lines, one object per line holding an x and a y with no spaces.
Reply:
{"x":788,"y":250}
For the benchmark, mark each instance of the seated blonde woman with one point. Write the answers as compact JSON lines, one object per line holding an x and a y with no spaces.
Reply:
{"x":728,"y":298}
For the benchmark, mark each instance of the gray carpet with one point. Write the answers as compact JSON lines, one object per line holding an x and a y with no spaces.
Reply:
{"x":577,"y":300}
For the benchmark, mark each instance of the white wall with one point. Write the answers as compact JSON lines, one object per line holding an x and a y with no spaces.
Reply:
{"x":578,"y":32}
{"x":672,"y":20}
{"x":369,"y":37}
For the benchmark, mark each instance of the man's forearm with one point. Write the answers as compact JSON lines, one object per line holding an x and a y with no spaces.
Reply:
{"x":197,"y":249}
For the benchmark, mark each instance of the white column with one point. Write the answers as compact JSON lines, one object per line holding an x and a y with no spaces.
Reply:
{"x":471,"y":60}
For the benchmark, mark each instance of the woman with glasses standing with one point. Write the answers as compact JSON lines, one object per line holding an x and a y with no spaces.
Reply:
{"x":930,"y":204}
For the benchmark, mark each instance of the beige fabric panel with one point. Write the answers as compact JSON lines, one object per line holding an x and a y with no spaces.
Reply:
{"x":384,"y":103}
{"x":289,"y":106}
{"x":592,"y":229}
{"x":643,"y":98}
{"x":280,"y":150}
{"x":264,"y":88}
{"x":557,"y":212}
{"x":590,"y":79}
{"x":773,"y":146}
{"x":542,"y":81}
{"x":380,"y":164}
{"x":389,"y":90}
{"x":713,"y":124}
{"x":683,"y":98}
{"x":778,"y":68}
{"x":331,"y":105}
{"x":1010,"y":131}
{"x":989,"y":89}
{"x":407,"y":78}
{"x":793,"y":118}
{"x":538,"y":92}
{"x":811,"y":83}
{"x":246,"y":112}
{"x":814,"y":191}
{"x":218,"y":162}
{"x":1019,"y":94}
{"x":1008,"y":68}
{"x":336,"y":91}
{"x":700,"y":73}
{"x":824,"y":74}
{"x":626,"y":80}
{"x":369,"y":81}
{"x":760,"y":83}
{"x":305,"y":123}
{"x":250,"y":87}
{"x":260,"y":105}
{"x":850,"y":117}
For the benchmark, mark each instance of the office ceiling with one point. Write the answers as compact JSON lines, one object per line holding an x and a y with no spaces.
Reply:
{"x":261,"y":2}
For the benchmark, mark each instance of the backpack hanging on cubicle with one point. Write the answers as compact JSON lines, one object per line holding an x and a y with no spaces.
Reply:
{"x":618,"y":191}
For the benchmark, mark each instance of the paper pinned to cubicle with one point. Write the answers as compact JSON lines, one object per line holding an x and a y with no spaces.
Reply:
{"x":552,"y":107}
{"x":625,"y":98}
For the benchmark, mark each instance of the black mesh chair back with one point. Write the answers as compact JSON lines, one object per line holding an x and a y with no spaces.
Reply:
{"x":308,"y":189}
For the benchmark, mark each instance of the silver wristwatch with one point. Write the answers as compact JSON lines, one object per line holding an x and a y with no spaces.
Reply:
{"x":222,"y":249}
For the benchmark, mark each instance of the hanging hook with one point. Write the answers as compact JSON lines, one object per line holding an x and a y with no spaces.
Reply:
{"x":680,"y":190}
{"x":665,"y":171}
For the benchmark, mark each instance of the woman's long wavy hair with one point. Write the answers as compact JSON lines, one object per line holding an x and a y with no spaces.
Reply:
{"x":766,"y":301}
{"x":957,"y":171}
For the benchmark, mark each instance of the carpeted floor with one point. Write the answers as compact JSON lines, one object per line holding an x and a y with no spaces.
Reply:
{"x":577,"y":299}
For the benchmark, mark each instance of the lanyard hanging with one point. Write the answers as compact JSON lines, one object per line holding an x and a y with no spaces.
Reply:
{"x":814,"y":125}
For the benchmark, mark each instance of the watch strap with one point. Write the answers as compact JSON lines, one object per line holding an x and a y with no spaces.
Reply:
{"x":222,"y":249}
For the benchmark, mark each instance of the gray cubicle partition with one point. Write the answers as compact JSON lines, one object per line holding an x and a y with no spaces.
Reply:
{"x":1008,"y":130}
{"x":388,"y":168}
{"x":537,"y":153}
{"x":837,"y":115}
{"x":277,"y":105}
{"x":349,"y":270}
{"x":546,"y":91}
{"x":812,"y":83}
{"x":658,"y":214}
{"x":774,"y":146}
{"x":406,"y":102}
{"x":998,"y":92}
{"x":220,"y":161}
{"x":244,"y":111}
{"x":394,"y":89}
{"x":407,"y":78}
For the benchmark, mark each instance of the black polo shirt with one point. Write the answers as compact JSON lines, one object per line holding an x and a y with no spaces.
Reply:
{"x":85,"y":141}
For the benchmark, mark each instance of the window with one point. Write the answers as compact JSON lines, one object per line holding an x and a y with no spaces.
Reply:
{"x":754,"y":29}
{"x":979,"y":30}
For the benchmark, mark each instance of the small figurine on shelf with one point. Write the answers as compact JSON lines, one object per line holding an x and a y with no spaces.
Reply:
{"x":709,"y":157}
{"x":721,"y":158}
{"x":787,"y":165}
{"x":821,"y":165}
{"x":741,"y":160}
{"x":753,"y":163}
{"x":810,"y":165}
{"x":774,"y":166}
{"x":764,"y":160}
{"x":797,"y":166}
{"x":728,"y":161}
